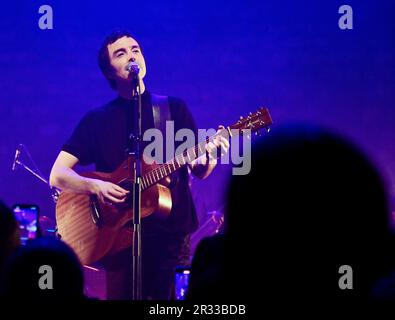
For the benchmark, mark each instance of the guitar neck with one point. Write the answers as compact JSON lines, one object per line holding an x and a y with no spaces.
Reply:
{"x":253,"y":122}
{"x":165,"y":169}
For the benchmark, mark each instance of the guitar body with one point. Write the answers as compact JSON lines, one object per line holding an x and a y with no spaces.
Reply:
{"x":93,"y":229}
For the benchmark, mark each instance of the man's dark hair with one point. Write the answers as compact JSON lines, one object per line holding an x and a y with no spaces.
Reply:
{"x":103,"y":57}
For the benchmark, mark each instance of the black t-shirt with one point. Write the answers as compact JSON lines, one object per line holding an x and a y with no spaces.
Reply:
{"x":101,"y":138}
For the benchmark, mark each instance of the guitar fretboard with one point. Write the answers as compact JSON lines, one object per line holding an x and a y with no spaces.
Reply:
{"x":252,"y":123}
{"x":165,"y":169}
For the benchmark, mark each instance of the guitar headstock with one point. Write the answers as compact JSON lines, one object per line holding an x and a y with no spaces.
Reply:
{"x":254,"y":121}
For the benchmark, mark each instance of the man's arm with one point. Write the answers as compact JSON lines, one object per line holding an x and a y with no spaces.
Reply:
{"x":65,"y":178}
{"x":204,"y":165}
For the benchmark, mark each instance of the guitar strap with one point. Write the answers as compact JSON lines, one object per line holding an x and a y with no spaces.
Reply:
{"x":161,"y":111}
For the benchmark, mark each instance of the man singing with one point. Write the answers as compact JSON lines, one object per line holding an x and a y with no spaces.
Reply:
{"x":101,"y":138}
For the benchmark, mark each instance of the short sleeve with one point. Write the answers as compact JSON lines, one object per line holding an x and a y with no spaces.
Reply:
{"x":82,"y":143}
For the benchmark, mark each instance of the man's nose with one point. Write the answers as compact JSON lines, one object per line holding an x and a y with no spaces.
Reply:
{"x":132,"y":56}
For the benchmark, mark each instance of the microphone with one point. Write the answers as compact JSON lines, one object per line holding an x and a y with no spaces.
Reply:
{"x":133,"y":68}
{"x":16,"y":158}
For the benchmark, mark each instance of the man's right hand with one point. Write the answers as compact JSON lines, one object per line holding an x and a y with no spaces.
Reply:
{"x":65,"y":178}
{"x":107,"y":192}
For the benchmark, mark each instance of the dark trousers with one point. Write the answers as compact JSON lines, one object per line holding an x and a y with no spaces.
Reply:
{"x":160,"y":257}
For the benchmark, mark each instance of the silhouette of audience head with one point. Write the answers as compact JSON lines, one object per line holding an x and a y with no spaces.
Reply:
{"x":46,"y":268}
{"x":9,"y":232}
{"x":309,"y":222}
{"x":311,"y":204}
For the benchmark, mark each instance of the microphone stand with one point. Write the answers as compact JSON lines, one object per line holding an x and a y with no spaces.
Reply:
{"x":135,"y":139}
{"x":55,"y":192}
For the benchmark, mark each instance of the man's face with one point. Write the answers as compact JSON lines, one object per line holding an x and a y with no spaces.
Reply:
{"x":120,"y":53}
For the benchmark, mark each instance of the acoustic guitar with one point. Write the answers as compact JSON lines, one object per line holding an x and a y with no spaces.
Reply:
{"x":95,"y":230}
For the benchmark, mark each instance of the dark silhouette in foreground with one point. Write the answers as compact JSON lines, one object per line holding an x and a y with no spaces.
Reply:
{"x":9,"y":233}
{"x":44,"y":269}
{"x":311,"y":204}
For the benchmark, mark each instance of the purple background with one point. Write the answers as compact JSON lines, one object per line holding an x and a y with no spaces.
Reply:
{"x":224,"y":58}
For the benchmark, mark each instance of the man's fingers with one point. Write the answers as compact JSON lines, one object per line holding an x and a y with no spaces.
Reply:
{"x":119,"y":194}
{"x":216,"y":145}
{"x":211,"y":148}
{"x":101,"y":198}
{"x":224,"y":147}
{"x":120,"y":189}
{"x":113,"y":199}
{"x":216,"y":142}
{"x":225,"y":143}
